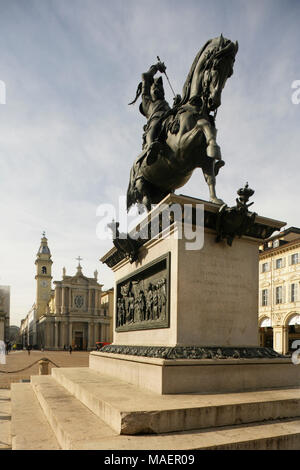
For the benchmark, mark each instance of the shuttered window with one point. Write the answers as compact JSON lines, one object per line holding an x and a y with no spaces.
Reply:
{"x":264,"y":297}
{"x":279,"y":295}
{"x":294,"y":258}
{"x":293,"y":292}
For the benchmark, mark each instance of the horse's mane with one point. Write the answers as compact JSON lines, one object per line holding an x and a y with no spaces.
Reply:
{"x":188,"y":81}
{"x":209,"y":54}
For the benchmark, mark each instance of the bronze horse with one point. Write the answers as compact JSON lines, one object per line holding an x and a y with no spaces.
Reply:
{"x":179,"y":139}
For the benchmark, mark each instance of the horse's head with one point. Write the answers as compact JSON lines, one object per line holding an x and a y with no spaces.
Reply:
{"x":217,"y":68}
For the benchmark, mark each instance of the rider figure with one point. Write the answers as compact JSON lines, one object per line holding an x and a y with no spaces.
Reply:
{"x":153,"y":106}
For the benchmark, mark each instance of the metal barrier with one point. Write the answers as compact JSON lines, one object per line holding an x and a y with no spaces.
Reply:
{"x":43,"y":367}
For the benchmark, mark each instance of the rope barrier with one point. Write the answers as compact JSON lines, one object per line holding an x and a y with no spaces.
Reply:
{"x":28,"y":367}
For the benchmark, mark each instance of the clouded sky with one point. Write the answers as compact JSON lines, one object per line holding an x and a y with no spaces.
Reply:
{"x":68,"y":137}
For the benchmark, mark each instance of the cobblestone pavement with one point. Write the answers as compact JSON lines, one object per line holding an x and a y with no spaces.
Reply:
{"x":17,"y":360}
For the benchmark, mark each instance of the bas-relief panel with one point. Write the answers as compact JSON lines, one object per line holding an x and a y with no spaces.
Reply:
{"x":142,"y":300}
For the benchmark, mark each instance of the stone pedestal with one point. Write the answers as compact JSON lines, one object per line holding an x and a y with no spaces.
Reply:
{"x":213,"y":293}
{"x":198,"y":330}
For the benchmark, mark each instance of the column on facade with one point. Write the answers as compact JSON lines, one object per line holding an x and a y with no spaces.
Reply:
{"x":58,"y":299}
{"x":70,"y":334}
{"x":89,"y":305}
{"x":96,"y":331}
{"x":280,"y":339}
{"x":90,"y":335}
{"x":63,"y":339}
{"x":94,"y":301}
{"x":99,"y":332}
{"x":70,"y":300}
{"x":55,"y":334}
{"x":97,"y":301}
{"x":102,"y":331}
{"x":47,"y":330}
{"x":63,"y":301}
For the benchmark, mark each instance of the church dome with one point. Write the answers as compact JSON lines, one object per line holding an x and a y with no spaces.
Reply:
{"x":44,"y":250}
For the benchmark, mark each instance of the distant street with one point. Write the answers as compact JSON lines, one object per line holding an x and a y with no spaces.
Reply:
{"x":18,"y":360}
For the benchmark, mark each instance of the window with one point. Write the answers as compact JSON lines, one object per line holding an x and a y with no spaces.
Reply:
{"x":278,"y":295}
{"x":278,"y":263}
{"x":265,"y":267}
{"x":264,"y":297}
{"x":294,"y":258}
{"x":44,"y":270}
{"x":275,"y":243}
{"x":79,"y":301}
{"x":293,"y":292}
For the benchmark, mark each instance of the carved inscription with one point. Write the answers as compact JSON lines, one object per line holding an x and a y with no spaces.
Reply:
{"x":143,"y":298}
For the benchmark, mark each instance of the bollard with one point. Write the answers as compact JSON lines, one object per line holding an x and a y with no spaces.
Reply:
{"x":43,"y":367}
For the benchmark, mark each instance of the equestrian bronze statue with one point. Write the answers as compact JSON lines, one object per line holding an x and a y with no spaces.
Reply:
{"x":179,"y":139}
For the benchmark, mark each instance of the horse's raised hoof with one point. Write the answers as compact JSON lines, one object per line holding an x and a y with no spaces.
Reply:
{"x":216,"y":200}
{"x":213,"y":151}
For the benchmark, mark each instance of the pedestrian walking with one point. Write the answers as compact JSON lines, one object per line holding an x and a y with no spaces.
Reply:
{"x":70,"y":349}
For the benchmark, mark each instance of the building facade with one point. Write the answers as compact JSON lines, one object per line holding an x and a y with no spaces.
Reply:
{"x":279,"y":291}
{"x":4,"y":312}
{"x":70,"y":314}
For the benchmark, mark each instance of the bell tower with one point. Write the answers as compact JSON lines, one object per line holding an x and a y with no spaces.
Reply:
{"x":43,"y":277}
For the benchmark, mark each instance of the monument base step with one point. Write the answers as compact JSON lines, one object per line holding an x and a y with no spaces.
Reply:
{"x":5,"y":419}
{"x":175,"y":376}
{"x":45,"y":415}
{"x":130,"y":410}
{"x":30,"y":429}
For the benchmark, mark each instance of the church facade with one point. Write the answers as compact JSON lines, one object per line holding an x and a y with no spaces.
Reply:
{"x":70,"y":314}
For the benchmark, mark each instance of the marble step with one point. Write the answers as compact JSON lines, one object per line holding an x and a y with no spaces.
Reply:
{"x":5,"y":419}
{"x":74,"y":425}
{"x":130,"y":410}
{"x":30,"y":429}
{"x":77,"y":428}
{"x":279,"y":435}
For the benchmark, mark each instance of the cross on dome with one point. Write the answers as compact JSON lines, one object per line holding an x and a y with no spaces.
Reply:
{"x":79,"y":259}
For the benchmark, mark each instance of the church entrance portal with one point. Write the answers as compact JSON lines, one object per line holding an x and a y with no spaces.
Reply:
{"x":78,"y":340}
